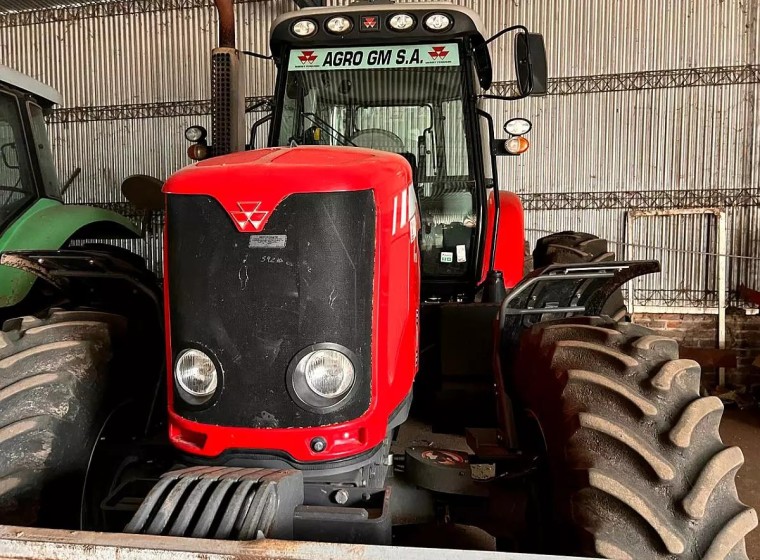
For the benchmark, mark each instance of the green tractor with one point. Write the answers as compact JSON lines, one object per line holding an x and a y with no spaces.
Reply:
{"x":58,"y":336}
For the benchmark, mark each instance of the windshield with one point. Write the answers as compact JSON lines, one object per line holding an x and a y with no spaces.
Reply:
{"x":16,"y":187}
{"x":407,"y":100}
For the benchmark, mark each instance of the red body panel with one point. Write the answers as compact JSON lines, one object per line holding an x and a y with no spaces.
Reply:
{"x":510,"y":248}
{"x":250,"y":185}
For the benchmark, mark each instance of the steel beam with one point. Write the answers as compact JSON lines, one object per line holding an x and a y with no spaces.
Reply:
{"x":17,"y":543}
{"x":638,"y":81}
{"x":641,"y":199}
{"x":159,"y":110}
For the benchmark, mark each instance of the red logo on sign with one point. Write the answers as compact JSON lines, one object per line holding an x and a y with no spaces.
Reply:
{"x":442,"y":457}
{"x":438,"y":53}
{"x":369,"y":22}
{"x":250,"y":217}
{"x":307,"y":57}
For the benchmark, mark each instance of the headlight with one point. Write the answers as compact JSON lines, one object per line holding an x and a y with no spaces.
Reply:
{"x":339,"y":25}
{"x":438,"y":22}
{"x":329,"y":373}
{"x":401,"y":22}
{"x":195,"y":134}
{"x":518,"y":127}
{"x":196,"y":374}
{"x":304,"y":28}
{"x":322,"y":377}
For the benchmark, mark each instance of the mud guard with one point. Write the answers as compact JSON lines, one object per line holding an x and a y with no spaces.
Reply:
{"x":92,"y":278}
{"x":562,"y":290}
{"x":510,"y":248}
{"x":50,"y":225}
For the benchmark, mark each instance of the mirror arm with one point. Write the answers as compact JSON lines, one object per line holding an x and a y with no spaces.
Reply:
{"x":70,"y":180}
{"x":257,"y":55}
{"x":504,"y":97}
{"x":259,"y":104}
{"x":501,"y":33}
{"x":521,"y":28}
{"x":255,"y":128}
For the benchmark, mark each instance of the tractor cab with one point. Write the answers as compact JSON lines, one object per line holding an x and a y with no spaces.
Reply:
{"x":27,"y":172}
{"x":406,"y":79}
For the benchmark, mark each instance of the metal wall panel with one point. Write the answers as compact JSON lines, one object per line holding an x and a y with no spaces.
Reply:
{"x":688,"y":138}
{"x":141,"y":57}
{"x":641,"y":136}
{"x":163,"y":55}
{"x":590,"y":37}
{"x":9,"y":6}
{"x":109,"y":151}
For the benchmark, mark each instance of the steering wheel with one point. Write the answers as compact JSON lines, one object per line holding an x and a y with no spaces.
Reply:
{"x":378,"y":139}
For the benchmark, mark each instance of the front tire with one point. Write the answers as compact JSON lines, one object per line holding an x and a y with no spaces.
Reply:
{"x":52,"y":388}
{"x":638,"y":466}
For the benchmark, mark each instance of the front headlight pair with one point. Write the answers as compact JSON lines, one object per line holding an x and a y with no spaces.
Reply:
{"x":322,"y":377}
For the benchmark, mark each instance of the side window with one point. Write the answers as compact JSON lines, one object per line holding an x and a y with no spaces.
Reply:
{"x":16,"y":182}
{"x":44,"y":153}
{"x":457,"y":160}
{"x":11,"y":145}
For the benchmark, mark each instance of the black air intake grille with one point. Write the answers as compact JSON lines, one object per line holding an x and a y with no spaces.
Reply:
{"x":221,"y":108}
{"x":256,"y":300}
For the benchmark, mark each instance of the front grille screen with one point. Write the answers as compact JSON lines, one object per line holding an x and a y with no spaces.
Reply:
{"x":256,"y":300}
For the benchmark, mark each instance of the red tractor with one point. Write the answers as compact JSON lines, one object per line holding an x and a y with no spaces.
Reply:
{"x":354,"y":352}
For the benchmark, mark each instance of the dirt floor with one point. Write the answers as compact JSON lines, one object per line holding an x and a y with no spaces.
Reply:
{"x":742,"y":428}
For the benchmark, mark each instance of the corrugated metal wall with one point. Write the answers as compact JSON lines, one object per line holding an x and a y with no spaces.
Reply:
{"x":653,"y":104}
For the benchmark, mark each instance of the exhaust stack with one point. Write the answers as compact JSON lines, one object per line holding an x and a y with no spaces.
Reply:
{"x":227,"y":100}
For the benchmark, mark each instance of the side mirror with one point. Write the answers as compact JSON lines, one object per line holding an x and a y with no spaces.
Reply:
{"x":144,"y":192}
{"x":10,"y":155}
{"x":530,"y":64}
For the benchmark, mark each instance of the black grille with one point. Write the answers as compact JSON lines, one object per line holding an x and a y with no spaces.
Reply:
{"x":255,"y":306}
{"x":221,"y":109}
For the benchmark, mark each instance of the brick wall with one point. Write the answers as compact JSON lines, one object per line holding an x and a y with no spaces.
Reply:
{"x":701,"y":331}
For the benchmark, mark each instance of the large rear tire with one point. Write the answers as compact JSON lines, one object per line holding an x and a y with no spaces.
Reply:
{"x":638,"y":467}
{"x":52,"y":390}
{"x":569,"y":247}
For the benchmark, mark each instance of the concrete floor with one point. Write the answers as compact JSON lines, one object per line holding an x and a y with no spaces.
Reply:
{"x":742,"y":428}
{"x":739,"y":427}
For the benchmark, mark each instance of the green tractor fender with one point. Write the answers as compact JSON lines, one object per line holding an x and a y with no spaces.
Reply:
{"x":50,"y":225}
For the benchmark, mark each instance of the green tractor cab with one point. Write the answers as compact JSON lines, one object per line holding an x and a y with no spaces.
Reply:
{"x":32,"y":213}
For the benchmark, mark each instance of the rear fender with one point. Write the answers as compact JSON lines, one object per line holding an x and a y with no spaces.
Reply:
{"x":50,"y":225}
{"x":510,"y":248}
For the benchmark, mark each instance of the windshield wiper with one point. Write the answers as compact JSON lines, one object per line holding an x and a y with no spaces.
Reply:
{"x":337,"y":135}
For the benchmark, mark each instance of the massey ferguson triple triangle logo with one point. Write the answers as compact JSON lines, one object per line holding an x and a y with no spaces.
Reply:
{"x":307,"y":57}
{"x":249,"y":218}
{"x":439,"y":53}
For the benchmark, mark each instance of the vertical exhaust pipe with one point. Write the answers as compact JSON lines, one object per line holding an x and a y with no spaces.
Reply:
{"x":226,"y":13}
{"x":227,"y":100}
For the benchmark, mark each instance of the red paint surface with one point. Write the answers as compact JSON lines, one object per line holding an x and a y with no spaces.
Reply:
{"x":510,"y":247}
{"x":268,"y":177}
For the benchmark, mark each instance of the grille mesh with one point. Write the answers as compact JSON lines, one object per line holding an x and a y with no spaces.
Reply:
{"x":254,"y":303}
{"x":221,"y":91}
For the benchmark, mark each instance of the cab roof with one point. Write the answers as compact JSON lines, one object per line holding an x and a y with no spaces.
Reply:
{"x":25,"y":83}
{"x":466,"y":22}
